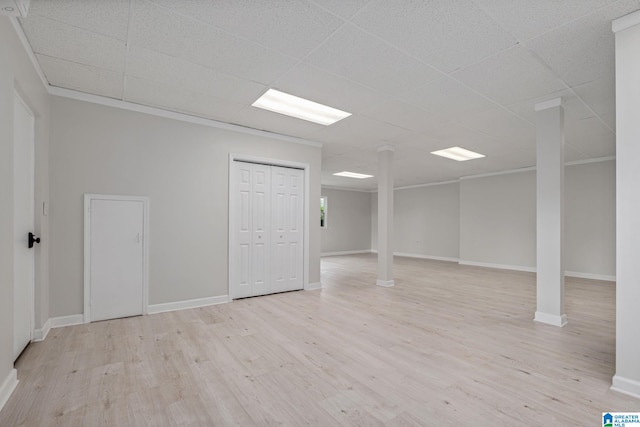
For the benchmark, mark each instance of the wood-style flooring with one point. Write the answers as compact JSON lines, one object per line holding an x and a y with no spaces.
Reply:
{"x":448,"y":345}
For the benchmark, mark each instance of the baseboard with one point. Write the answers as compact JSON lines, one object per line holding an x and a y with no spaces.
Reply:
{"x":313,"y":286}
{"x":431,"y":257}
{"x":499,"y":266}
{"x":551,"y":319}
{"x":62,"y":321}
{"x":41,"y":334}
{"x":385,"y":283}
{"x":605,"y":277}
{"x":363,"y":251}
{"x":184,"y":305}
{"x":626,"y":386}
{"x":7,"y":387}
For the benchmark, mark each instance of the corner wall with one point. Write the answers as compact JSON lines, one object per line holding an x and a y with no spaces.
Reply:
{"x":183,"y":168}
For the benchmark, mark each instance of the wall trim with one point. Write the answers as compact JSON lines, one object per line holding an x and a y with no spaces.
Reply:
{"x":8,"y":385}
{"x":430,"y":257}
{"x":27,"y":48}
{"x":550,"y":319}
{"x":593,"y":276}
{"x":385,"y":283}
{"x":338,"y":253}
{"x":499,"y":266}
{"x":430,"y":184}
{"x":626,"y":385}
{"x":624,"y":22}
{"x":62,"y":321}
{"x":187,"y":304}
{"x":313,"y":286}
{"x":159,"y":112}
{"x":41,"y":334}
{"x":587,"y":161}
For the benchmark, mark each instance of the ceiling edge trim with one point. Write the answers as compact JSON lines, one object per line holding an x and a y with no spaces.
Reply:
{"x":359,"y":190}
{"x":431,"y":184}
{"x":159,"y":112}
{"x":27,"y":48}
{"x":626,"y":21}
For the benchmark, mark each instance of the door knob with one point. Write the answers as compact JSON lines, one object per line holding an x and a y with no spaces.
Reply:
{"x":33,"y":239}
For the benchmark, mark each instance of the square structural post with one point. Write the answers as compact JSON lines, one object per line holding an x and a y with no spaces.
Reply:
{"x":385,"y":216}
{"x":550,"y":212}
{"x":627,"y":34}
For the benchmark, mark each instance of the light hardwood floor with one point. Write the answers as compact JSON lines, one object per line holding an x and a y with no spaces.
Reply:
{"x":448,"y":345}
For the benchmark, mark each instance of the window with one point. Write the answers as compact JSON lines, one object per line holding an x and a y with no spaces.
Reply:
{"x":323,"y":212}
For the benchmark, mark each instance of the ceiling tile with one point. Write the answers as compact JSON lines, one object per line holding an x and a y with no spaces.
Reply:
{"x":107,"y":17}
{"x":156,"y":28}
{"x":359,"y":131}
{"x":361,"y":57}
{"x":294,"y":27}
{"x":446,"y":34}
{"x":503,"y":125}
{"x":600,"y":95}
{"x":526,"y":19}
{"x":447,"y":98}
{"x":510,"y":76}
{"x":81,"y":77}
{"x":583,"y":50}
{"x":345,"y":9}
{"x":403,"y":115}
{"x":172,"y":71}
{"x":177,"y":99}
{"x":258,"y":118}
{"x":590,"y":136}
{"x":58,"y":40}
{"x":310,"y":82}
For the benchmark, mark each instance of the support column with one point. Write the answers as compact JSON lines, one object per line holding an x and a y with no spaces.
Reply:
{"x":385,"y":216}
{"x":627,"y":34}
{"x":550,"y":212}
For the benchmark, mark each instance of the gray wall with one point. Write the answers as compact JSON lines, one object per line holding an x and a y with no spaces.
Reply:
{"x":498,"y":219}
{"x":17,"y":72}
{"x":348,"y":221}
{"x":182,"y":167}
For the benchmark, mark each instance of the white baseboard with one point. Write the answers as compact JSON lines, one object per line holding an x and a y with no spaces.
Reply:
{"x":421,"y":256}
{"x":551,"y":319}
{"x":313,"y":286}
{"x":363,"y":251}
{"x":385,"y":283}
{"x":59,"y":322}
{"x":41,"y":334}
{"x":626,"y":386}
{"x":500,"y":266}
{"x":7,"y":387}
{"x":183,"y":305}
{"x":579,"y":275}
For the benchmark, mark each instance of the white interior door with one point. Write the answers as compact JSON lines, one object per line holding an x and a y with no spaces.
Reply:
{"x":23,"y":214}
{"x":116,"y":258}
{"x":267,"y":232}
{"x":287,"y":233}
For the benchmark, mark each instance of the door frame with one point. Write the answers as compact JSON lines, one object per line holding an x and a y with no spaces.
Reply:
{"x":233,"y":157}
{"x":32,"y":285}
{"x":88,"y":197}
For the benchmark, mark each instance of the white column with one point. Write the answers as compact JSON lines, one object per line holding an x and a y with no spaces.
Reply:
{"x":550,"y":212}
{"x":385,"y":216}
{"x":627,"y":33}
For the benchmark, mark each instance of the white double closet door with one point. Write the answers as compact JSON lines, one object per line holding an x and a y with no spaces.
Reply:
{"x":267,"y":230}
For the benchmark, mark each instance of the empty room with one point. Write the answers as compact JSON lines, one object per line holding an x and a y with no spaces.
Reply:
{"x":319,"y":212}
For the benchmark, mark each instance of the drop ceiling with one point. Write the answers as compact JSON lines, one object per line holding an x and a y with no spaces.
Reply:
{"x":419,"y":75}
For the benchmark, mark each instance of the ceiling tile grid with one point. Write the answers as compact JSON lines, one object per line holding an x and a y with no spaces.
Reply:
{"x":418,"y":75}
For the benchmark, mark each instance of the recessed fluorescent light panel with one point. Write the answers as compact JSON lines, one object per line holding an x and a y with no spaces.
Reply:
{"x":290,"y":105}
{"x":459,"y":154}
{"x":353,"y":175}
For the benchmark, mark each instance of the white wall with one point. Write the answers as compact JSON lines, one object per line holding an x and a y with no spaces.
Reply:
{"x":498,"y":220}
{"x":426,"y":221}
{"x":16,"y":72}
{"x":183,"y":168}
{"x":348,"y":226}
